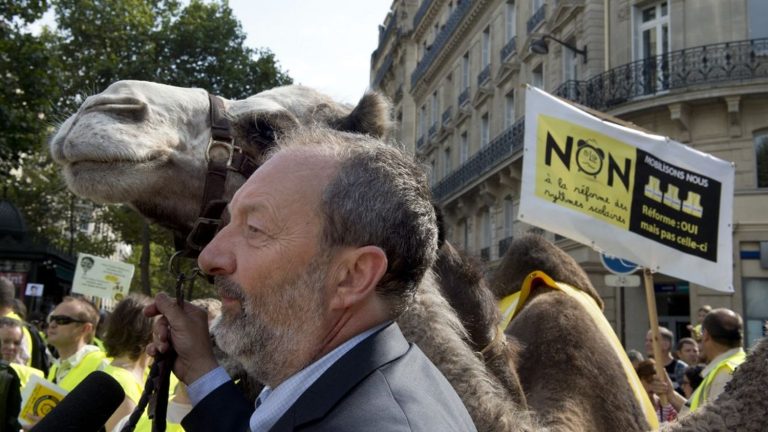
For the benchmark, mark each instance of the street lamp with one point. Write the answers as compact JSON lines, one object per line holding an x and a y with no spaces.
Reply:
{"x":539,"y":46}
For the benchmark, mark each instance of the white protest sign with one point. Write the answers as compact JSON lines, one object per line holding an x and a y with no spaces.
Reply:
{"x":646,"y":198}
{"x":99,"y":277}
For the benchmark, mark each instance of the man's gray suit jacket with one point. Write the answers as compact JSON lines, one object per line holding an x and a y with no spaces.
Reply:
{"x":382,"y":384}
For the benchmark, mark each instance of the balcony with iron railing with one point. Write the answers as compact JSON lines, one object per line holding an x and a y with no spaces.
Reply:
{"x":398,"y":94}
{"x":683,"y":69}
{"x":497,"y":151}
{"x":385,"y":66}
{"x":385,"y":32}
{"x":508,"y":49}
{"x":433,"y":130}
{"x":420,"y":142}
{"x":464,"y":97}
{"x":690,"y":68}
{"x":447,"y":116}
{"x":441,"y":40}
{"x":484,"y":76}
{"x":423,"y":8}
{"x":536,"y":18}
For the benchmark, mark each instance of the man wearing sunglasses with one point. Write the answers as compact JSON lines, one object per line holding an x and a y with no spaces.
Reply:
{"x":71,"y":327}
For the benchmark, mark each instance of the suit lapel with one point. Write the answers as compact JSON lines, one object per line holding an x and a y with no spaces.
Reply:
{"x":370,"y":354}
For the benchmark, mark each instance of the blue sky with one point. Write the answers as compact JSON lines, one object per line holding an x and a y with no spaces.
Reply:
{"x":325,"y":44}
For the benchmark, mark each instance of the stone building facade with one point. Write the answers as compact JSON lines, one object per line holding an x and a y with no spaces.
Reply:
{"x":696,"y":71}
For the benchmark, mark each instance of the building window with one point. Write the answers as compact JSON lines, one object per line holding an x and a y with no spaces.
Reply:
{"x":434,"y":109}
{"x":509,"y":109}
{"x":755,"y":309}
{"x":511,"y":17}
{"x":569,"y":62}
{"x":761,"y":158}
{"x":486,"y":55}
{"x":420,"y":129}
{"x":652,"y":34}
{"x":447,"y":162}
{"x":510,"y":215}
{"x":485,"y":130}
{"x":757,"y":10}
{"x":433,"y":172}
{"x":537,"y":76}
{"x":485,"y":228}
{"x":465,"y":71}
{"x":465,"y":234}
{"x":463,"y":148}
{"x":652,"y":44}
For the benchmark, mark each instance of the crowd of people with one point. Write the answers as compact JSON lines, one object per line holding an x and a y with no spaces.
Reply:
{"x":74,"y":351}
{"x":312,"y":278}
{"x":698,"y":368}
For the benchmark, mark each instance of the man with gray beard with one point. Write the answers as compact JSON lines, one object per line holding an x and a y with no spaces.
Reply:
{"x":326,"y":245}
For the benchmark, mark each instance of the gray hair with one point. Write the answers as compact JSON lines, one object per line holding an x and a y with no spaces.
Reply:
{"x":379,"y":196}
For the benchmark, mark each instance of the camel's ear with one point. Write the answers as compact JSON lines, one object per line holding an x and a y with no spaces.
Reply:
{"x":372,"y":116}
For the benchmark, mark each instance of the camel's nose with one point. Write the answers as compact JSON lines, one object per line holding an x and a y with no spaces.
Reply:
{"x":128,"y":106}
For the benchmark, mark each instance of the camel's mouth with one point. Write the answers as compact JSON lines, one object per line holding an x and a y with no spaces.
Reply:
{"x":113,"y":165}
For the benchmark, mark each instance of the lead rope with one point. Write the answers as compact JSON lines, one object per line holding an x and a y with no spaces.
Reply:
{"x":157,"y":386}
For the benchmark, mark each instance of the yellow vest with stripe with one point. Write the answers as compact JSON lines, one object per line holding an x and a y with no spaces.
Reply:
{"x":511,"y":306}
{"x":90,"y":362}
{"x":728,"y":364}
{"x":25,"y":372}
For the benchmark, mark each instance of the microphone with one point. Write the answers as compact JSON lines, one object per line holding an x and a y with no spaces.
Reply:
{"x":86,"y":408}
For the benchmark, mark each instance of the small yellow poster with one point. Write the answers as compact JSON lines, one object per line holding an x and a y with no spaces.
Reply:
{"x":38,"y":398}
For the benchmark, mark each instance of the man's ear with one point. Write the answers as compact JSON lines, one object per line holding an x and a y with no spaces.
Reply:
{"x":358,"y":272}
{"x":88,"y":328}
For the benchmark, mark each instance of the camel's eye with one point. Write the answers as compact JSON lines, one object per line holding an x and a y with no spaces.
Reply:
{"x":262,"y":132}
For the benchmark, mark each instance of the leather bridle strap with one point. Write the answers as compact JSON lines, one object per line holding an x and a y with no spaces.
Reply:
{"x":223,"y":155}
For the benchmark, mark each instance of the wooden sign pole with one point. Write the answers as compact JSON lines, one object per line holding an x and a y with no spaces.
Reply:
{"x":653,"y":318}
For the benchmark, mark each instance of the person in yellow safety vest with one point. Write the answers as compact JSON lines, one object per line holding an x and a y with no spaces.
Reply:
{"x":71,"y":328}
{"x":721,"y":347}
{"x":7,"y":294}
{"x":696,"y":329}
{"x":11,"y":337}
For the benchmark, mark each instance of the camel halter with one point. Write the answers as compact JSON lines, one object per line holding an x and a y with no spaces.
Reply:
{"x":223,"y":156}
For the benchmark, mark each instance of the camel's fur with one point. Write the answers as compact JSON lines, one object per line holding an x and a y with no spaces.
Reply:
{"x":465,"y":288}
{"x":143,"y":143}
{"x":570,"y":374}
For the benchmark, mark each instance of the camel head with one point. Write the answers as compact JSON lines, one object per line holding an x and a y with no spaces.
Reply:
{"x":144,"y":143}
{"x":533,"y":252}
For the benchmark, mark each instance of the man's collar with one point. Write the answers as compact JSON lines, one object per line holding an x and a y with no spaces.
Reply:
{"x":272,"y":404}
{"x":720,"y":357}
{"x":78,"y":356}
{"x":372,"y":353}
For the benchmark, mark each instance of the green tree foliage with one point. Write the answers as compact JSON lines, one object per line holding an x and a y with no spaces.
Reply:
{"x":93,"y":44}
{"x":26,"y":86}
{"x":205,"y":46}
{"x":52,"y":213}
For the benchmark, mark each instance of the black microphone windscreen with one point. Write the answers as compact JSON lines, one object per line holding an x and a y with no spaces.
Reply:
{"x":86,"y":408}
